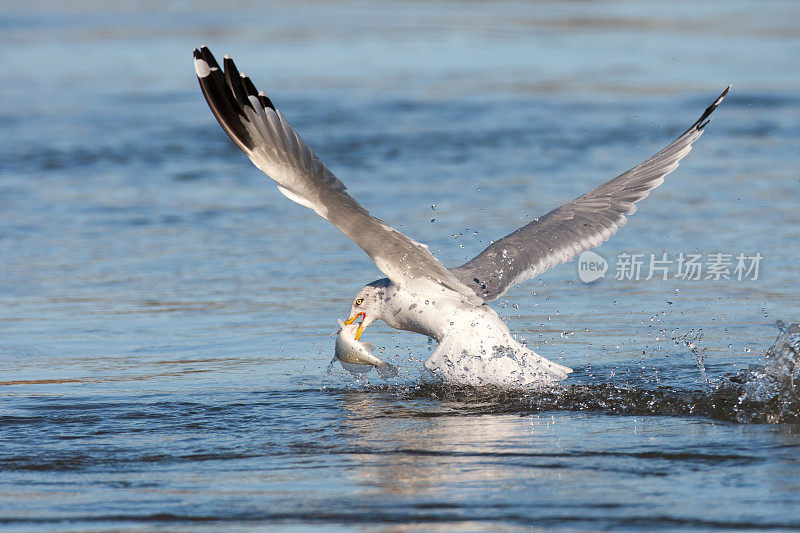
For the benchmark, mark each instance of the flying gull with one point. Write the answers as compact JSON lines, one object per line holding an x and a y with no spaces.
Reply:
{"x":420,"y":294}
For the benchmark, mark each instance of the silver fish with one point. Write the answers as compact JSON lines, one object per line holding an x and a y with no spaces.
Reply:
{"x":356,"y":357}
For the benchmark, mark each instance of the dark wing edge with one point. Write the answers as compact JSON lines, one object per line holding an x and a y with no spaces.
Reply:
{"x":584,"y":223}
{"x":262,"y":132}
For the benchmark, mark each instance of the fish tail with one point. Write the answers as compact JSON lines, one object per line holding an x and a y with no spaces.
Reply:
{"x":387,"y":370}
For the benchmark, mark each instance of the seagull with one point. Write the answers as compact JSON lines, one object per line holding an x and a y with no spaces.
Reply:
{"x":419,"y":294}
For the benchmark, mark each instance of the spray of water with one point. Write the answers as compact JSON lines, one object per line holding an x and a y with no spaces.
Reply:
{"x":776,"y":381}
{"x":765,"y":393}
{"x":692,"y":341}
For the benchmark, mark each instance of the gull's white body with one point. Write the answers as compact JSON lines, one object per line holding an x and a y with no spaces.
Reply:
{"x":475,"y":345}
{"x":420,"y":294}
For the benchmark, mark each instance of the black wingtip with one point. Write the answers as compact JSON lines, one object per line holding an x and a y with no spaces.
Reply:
{"x":236,"y":82}
{"x":240,"y":84}
{"x":248,"y":86}
{"x":265,"y":101}
{"x":230,"y":68}
{"x":225,"y":99}
{"x":703,"y":121}
{"x":204,"y":54}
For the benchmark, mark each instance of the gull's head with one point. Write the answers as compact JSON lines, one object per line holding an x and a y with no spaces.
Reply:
{"x":368,"y":305}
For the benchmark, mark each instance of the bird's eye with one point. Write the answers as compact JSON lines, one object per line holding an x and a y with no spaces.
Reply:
{"x":359,"y":301}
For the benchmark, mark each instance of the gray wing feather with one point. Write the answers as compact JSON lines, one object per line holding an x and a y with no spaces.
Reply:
{"x":586,"y":222}
{"x":267,"y":138}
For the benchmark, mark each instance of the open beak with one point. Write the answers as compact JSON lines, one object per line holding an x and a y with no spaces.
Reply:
{"x":360,"y":326}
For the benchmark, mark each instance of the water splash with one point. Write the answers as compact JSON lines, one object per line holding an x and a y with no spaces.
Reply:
{"x":692,"y":341}
{"x":777,"y":377}
{"x":765,"y":393}
{"x":775,"y":383}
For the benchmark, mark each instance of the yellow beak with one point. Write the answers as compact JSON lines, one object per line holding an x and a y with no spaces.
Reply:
{"x":352,"y":319}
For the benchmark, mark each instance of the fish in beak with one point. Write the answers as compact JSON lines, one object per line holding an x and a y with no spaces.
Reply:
{"x":361,"y":326}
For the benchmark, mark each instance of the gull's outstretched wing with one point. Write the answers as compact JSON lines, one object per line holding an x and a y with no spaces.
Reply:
{"x":265,"y":136}
{"x":586,"y":222}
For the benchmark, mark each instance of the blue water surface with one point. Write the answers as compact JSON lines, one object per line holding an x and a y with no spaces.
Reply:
{"x":165,"y":312}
